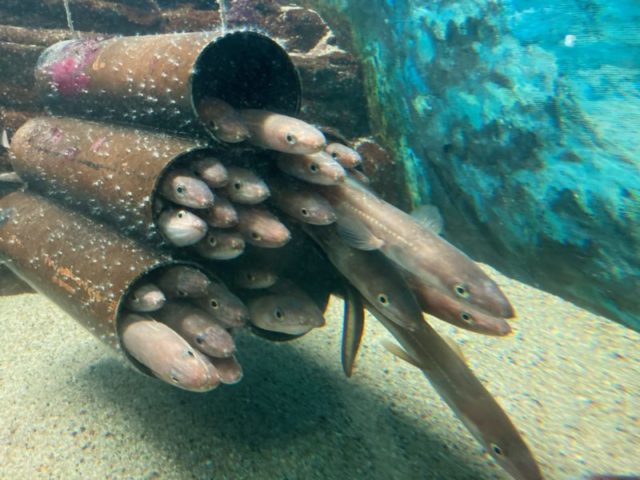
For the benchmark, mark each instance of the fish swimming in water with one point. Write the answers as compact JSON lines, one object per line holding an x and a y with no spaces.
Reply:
{"x":183,"y":188}
{"x":345,"y":156}
{"x":301,"y":203}
{"x":440,"y":305}
{"x":221,"y":215}
{"x":261,"y":228}
{"x":368,"y":222}
{"x":373,"y":275}
{"x":282,"y":133}
{"x":181,"y":227}
{"x":228,"y":369}
{"x":318,"y":168}
{"x":145,"y":298}
{"x":223,"y":306}
{"x":220,"y":245}
{"x":197,"y":328}
{"x":284,"y":313}
{"x":222,"y":120}
{"x":211,"y":171}
{"x":166,"y":354}
{"x":466,"y":396}
{"x":181,"y":281}
{"x":245,"y":186}
{"x":252,"y":277}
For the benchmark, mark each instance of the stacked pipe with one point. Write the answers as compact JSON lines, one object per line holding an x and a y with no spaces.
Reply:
{"x":170,"y":192}
{"x":108,"y":281}
{"x":270,"y":180}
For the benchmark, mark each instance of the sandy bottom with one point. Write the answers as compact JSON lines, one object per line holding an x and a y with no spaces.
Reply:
{"x":70,"y":407}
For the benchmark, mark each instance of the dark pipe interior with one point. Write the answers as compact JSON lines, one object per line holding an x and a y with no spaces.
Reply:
{"x":247,"y":70}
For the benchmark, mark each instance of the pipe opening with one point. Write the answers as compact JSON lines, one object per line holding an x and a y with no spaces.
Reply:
{"x":247,"y":70}
{"x":183,"y":161}
{"x":149,"y":276}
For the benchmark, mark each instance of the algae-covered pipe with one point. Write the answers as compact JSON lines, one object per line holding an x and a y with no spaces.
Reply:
{"x":83,"y":266}
{"x":159,"y":80}
{"x":107,"y":171}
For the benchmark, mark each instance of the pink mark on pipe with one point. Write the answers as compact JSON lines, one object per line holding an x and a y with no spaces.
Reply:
{"x":97,"y":144}
{"x":56,"y":135}
{"x":67,"y":64}
{"x":68,"y":78}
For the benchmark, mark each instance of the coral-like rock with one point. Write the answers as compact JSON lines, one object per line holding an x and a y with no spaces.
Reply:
{"x":522,"y":125}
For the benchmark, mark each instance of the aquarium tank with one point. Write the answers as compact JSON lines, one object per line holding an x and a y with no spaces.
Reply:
{"x":303,"y":239}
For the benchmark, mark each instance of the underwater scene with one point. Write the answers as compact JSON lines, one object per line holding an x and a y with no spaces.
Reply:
{"x":303,"y":239}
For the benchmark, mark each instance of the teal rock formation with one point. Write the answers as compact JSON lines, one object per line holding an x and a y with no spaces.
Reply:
{"x":521,"y":122}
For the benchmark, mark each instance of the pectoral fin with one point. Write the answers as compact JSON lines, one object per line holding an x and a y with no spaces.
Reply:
{"x":357,"y":235}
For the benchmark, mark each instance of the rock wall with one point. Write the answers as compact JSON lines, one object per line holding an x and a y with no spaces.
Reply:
{"x":522,"y":124}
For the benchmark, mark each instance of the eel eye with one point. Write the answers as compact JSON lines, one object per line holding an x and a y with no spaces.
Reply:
{"x":180,"y":189}
{"x":291,"y":139}
{"x":214,"y":303}
{"x":382,"y":298}
{"x":495,"y":448}
{"x":278,"y":314}
{"x":466,"y":317}
{"x":461,"y":291}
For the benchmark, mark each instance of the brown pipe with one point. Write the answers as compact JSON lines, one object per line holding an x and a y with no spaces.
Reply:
{"x":106,"y":171}
{"x":159,"y":79}
{"x":83,"y":266}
